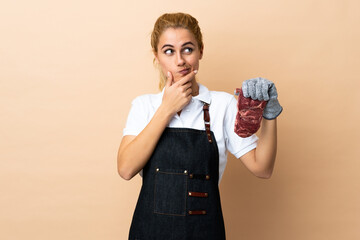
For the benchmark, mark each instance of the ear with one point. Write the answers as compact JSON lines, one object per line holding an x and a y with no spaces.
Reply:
{"x":201,"y":53}
{"x":156,"y":60}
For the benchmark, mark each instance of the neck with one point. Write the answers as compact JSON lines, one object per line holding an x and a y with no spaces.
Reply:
{"x":194,"y":88}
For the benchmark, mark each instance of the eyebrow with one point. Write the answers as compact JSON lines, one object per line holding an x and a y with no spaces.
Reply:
{"x":169,"y":45}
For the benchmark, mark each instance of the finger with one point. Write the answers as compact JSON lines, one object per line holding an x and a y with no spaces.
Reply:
{"x":187,"y":78}
{"x":169,"y":80}
{"x":186,"y":86}
{"x":188,"y":91}
{"x":252,"y":89}
{"x":190,"y":76}
{"x":258,"y":89}
{"x":272,"y":91}
{"x":265,"y":91}
{"x":245,"y":88}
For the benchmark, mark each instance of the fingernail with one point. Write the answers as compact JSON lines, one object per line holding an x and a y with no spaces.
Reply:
{"x":168,"y":74}
{"x":195,"y":71}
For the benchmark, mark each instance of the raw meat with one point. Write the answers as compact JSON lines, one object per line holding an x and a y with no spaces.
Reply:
{"x":249,"y":115}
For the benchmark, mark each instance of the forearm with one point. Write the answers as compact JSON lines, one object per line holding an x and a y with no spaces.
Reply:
{"x":265,"y":153}
{"x":135,"y":154}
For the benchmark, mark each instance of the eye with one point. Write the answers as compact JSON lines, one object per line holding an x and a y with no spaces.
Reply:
{"x":168,"y":51}
{"x":188,"y":50}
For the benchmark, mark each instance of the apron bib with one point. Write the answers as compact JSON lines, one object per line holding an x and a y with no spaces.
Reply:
{"x":179,"y":197}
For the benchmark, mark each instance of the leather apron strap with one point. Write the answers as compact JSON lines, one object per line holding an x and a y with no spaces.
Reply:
{"x":207,"y":121}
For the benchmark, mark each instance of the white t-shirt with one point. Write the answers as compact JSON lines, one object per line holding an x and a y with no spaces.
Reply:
{"x":222,"y":110}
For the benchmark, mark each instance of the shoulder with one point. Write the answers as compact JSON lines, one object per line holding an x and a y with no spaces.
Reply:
{"x":146,"y":99}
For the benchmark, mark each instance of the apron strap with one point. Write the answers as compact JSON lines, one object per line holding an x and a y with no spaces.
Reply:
{"x":207,"y":121}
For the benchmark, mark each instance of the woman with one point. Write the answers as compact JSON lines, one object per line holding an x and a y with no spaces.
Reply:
{"x":179,"y":152}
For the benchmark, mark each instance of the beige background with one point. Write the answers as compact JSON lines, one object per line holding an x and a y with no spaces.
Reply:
{"x":70,"y":69}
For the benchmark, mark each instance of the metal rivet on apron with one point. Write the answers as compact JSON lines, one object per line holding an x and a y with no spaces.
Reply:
{"x":198,"y":194}
{"x":197,"y":212}
{"x":185,"y":171}
{"x":191,"y":175}
{"x":207,"y":177}
{"x":157,"y":169}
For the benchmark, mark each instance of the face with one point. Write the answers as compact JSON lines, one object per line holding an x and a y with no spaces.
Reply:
{"x":178,"y":52}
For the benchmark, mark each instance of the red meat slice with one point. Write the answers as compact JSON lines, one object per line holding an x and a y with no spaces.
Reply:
{"x":249,"y":115}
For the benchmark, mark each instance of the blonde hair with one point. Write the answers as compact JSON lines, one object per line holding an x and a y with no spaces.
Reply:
{"x":174,"y":20}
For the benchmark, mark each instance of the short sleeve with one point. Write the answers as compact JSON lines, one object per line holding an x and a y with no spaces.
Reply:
{"x":137,"y":118}
{"x":235,"y":144}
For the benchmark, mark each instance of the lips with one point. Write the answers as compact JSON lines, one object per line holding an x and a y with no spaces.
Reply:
{"x":184,"y":71}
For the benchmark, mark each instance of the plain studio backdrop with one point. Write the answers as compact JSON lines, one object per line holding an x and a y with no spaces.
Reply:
{"x":70,"y":69}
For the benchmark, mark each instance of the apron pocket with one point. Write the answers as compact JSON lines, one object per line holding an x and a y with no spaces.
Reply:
{"x":170,"y":192}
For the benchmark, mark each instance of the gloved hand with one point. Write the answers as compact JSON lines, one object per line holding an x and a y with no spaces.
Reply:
{"x":263,"y":89}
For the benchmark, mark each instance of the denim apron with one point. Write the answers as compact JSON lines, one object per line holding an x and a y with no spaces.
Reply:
{"x":179,"y":197}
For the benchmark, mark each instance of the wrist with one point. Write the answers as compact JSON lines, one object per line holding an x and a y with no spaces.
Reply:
{"x":165,"y":112}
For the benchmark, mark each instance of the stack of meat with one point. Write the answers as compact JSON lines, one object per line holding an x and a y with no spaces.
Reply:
{"x":249,"y":115}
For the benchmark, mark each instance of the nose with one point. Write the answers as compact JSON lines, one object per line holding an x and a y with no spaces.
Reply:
{"x":180,"y":60}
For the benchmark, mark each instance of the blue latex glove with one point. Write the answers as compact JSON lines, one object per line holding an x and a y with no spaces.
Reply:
{"x":263,"y":90}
